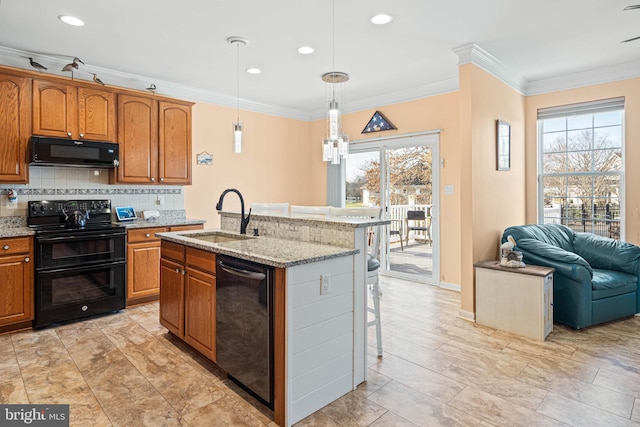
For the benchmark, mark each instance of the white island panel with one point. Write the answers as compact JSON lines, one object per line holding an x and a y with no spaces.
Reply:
{"x":320,"y":341}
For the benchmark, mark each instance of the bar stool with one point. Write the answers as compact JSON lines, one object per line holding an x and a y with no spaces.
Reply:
{"x":373,"y":265}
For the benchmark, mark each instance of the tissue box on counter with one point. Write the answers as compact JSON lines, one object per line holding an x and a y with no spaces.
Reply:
{"x":151,"y":215}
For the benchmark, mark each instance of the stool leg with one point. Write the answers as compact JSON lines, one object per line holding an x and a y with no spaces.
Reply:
{"x":375,"y":294}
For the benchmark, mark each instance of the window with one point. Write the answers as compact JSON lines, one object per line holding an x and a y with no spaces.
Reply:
{"x":581,"y":166}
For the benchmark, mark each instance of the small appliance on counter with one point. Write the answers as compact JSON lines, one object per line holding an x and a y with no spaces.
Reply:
{"x":126,"y":213}
{"x":151,"y":215}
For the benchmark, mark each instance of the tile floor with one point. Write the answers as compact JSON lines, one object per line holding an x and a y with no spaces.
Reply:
{"x":125,"y":370}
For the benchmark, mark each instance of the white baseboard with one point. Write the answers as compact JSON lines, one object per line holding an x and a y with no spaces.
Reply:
{"x":451,"y":286}
{"x":467,"y":315}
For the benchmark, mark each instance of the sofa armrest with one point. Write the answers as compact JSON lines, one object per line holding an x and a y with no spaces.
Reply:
{"x":567,"y":263}
{"x":608,"y":254}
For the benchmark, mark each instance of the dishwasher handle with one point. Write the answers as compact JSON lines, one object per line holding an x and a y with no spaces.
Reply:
{"x":241,"y":273}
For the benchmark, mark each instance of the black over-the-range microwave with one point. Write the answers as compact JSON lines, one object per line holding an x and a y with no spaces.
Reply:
{"x":47,"y":151}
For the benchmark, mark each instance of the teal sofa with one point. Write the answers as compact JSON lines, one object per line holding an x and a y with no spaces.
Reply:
{"x":596,"y":278}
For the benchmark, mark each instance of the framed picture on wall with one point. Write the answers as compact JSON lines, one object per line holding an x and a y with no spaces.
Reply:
{"x":503,"y":145}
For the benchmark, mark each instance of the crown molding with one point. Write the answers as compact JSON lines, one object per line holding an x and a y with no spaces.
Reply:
{"x":410,"y":94}
{"x":628,"y":70}
{"x":18,"y":59}
{"x":471,"y":53}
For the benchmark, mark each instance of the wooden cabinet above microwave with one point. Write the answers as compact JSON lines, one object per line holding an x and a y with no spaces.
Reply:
{"x":76,"y":112}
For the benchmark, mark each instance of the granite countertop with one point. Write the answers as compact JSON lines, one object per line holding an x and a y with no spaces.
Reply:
{"x":264,"y":250}
{"x":16,"y":232}
{"x":160,"y":222}
{"x":311,"y":220}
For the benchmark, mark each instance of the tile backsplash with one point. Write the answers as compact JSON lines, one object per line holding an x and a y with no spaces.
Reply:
{"x":62,"y":183}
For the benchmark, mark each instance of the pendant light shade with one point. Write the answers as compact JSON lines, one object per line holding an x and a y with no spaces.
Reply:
{"x":335,"y":146}
{"x":237,"y":126}
{"x":237,"y":137}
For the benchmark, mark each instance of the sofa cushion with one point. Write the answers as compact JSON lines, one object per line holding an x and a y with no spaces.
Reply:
{"x":607,"y":254}
{"x":608,"y":283}
{"x":552,"y":234}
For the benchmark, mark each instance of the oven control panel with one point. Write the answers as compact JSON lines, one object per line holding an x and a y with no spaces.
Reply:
{"x":44,"y":208}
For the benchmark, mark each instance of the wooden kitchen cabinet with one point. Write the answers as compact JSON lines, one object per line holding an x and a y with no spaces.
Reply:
{"x":200,"y":302}
{"x":143,"y":262}
{"x":174,"y":143}
{"x":16,"y":280}
{"x":155,"y":141}
{"x":15,"y":128}
{"x":188,"y":296}
{"x":69,"y":111}
{"x":172,"y":296}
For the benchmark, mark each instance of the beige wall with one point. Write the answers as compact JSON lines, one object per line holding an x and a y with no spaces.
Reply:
{"x":275,"y":165}
{"x":495,"y":199}
{"x":630,"y":89}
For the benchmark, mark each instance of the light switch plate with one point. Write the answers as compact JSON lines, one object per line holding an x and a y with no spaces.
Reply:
{"x":325,"y":284}
{"x":448,"y":190}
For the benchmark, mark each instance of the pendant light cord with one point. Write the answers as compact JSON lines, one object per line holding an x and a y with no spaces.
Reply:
{"x":238,"y":81}
{"x":333,"y":46}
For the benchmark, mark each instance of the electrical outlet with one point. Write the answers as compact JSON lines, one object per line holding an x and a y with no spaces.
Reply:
{"x":325,"y":284}
{"x":160,"y":200}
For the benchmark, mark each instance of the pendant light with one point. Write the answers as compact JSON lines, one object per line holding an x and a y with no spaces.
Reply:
{"x":237,"y":125}
{"x":335,"y":146}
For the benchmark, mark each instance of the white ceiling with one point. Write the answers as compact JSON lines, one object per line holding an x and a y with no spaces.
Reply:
{"x":184,"y":43}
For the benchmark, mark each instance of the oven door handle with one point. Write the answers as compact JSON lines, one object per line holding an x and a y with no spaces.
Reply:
{"x":76,"y":268}
{"x":85,"y":236}
{"x":241,"y":273}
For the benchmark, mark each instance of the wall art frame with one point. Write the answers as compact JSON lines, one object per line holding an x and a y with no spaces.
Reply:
{"x":503,"y":145}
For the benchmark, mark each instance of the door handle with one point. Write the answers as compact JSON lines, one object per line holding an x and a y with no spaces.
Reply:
{"x":240,"y":272}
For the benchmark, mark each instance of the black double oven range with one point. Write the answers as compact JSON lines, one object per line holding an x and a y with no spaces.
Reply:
{"x":80,"y":260}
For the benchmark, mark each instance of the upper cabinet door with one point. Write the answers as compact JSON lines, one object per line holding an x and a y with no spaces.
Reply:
{"x":54,"y":108}
{"x":174,"y":154}
{"x":15,"y":129}
{"x":96,"y":114}
{"x":138,"y":139}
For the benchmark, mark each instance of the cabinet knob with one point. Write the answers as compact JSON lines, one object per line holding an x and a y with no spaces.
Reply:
{"x":69,"y":134}
{"x":27,"y":259}
{"x":152,"y":179}
{"x":184,"y":272}
{"x":161,"y":179}
{"x":5,"y":247}
{"x":82,"y":135}
{"x":147,"y":235}
{"x":177,"y":270}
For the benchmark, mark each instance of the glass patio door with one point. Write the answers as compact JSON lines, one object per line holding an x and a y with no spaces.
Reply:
{"x":400,"y":176}
{"x":409,"y":202}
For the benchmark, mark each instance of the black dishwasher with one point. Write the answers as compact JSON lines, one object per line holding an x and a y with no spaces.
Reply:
{"x":244,"y":324}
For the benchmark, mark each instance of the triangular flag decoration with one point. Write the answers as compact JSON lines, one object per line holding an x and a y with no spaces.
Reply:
{"x":377,"y":123}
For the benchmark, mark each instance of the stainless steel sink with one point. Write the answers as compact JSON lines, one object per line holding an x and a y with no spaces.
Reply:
{"x":218,"y":237}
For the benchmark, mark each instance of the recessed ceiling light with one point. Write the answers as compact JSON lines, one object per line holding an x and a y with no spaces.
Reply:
{"x":71,"y":20}
{"x":381,"y":19}
{"x":254,"y":70}
{"x":305,"y":50}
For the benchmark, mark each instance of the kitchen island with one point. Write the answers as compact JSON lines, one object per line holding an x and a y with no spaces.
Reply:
{"x":313,"y":327}
{"x":346,"y":232}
